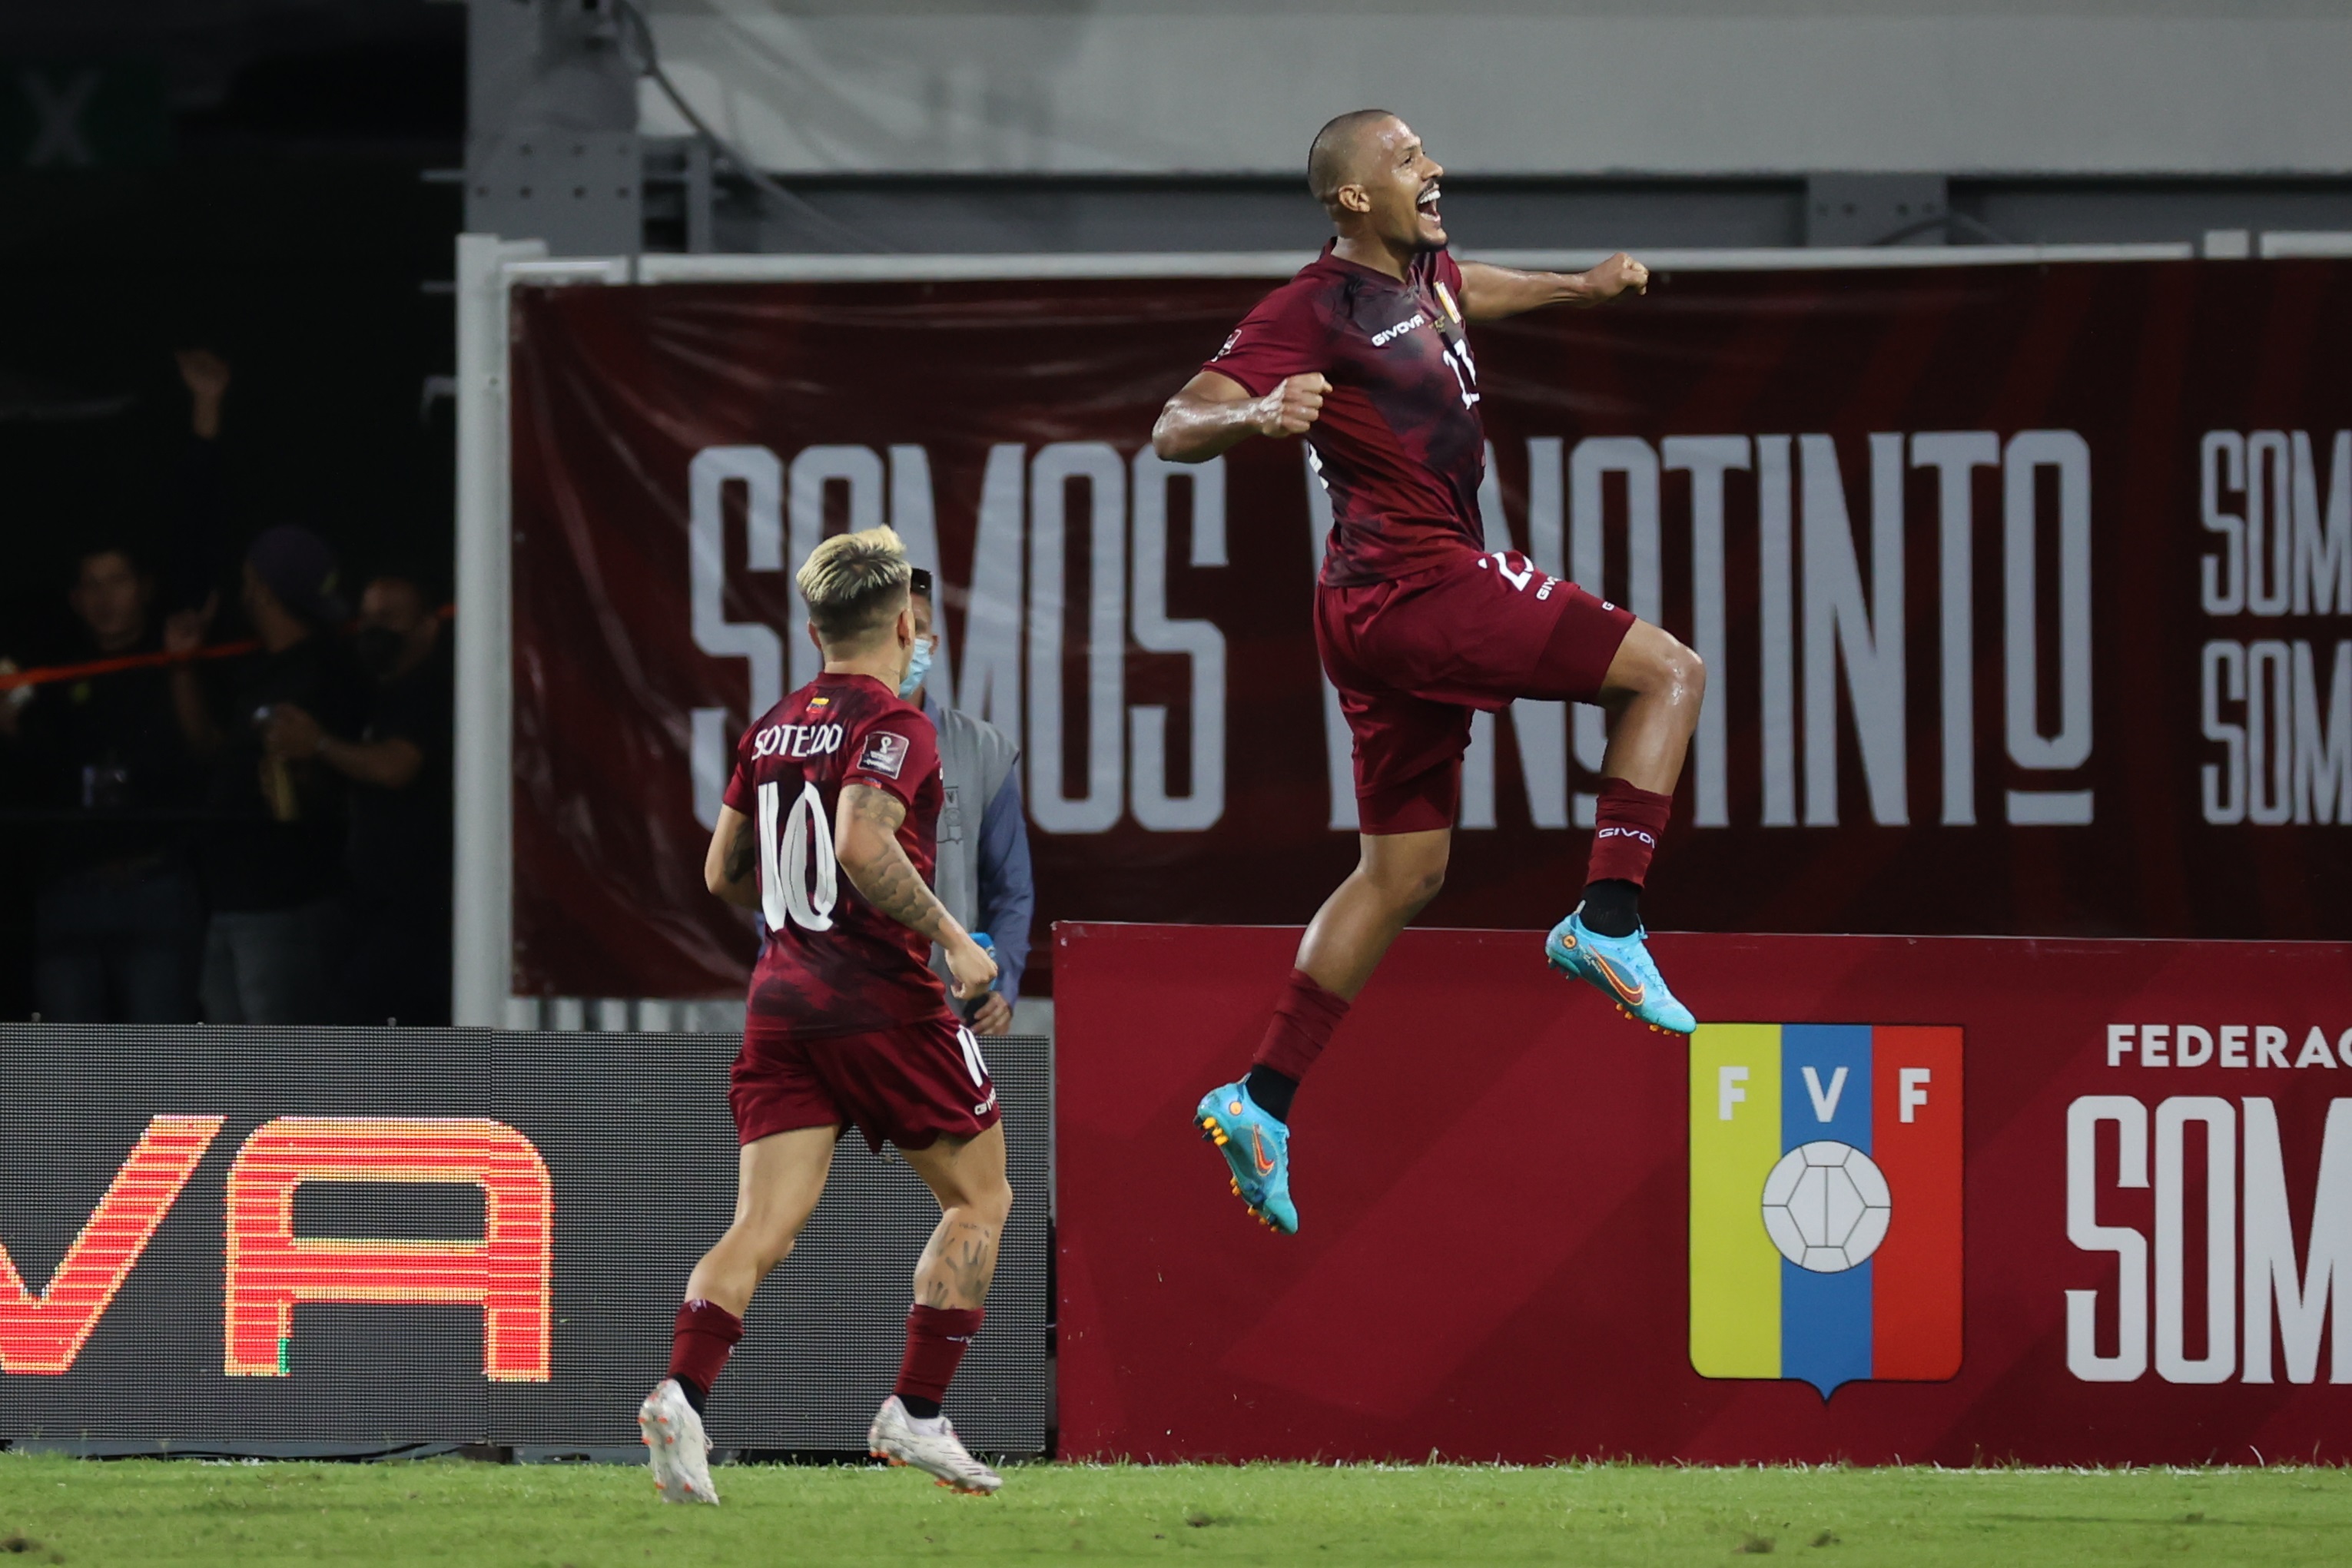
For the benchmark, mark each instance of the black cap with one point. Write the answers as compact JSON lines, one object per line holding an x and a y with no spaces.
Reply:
{"x":299,"y":569}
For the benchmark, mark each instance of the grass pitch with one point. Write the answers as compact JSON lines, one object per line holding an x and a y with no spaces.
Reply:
{"x":151,"y":1513}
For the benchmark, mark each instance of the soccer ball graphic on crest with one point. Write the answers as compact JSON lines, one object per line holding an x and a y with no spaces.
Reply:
{"x":1826,"y":1207}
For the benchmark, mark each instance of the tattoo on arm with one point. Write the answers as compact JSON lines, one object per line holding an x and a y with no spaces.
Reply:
{"x":890,"y":882}
{"x":744,"y":852}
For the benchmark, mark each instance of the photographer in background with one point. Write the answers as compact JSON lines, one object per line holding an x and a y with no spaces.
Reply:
{"x":983,"y":875}
{"x":273,"y":859}
{"x":397,"y":767}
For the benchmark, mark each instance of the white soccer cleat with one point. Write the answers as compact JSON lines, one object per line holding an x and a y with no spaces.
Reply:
{"x":904,"y":1441}
{"x":674,"y":1447}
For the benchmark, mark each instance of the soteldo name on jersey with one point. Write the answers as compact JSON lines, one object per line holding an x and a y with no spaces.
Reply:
{"x":797,"y":740}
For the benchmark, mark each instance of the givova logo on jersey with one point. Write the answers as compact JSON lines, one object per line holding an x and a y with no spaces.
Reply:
{"x":1825,"y":1202}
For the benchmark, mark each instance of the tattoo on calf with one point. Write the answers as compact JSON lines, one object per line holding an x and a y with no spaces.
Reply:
{"x":959,"y":1265}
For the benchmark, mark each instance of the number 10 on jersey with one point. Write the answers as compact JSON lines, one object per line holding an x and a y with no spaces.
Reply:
{"x":786,"y":848}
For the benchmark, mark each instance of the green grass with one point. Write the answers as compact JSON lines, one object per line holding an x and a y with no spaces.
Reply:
{"x":152,"y":1512}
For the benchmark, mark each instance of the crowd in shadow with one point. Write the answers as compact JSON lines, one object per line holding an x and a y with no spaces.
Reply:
{"x":234,"y":777}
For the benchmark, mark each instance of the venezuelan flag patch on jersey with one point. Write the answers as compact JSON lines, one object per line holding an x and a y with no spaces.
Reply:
{"x":1825,"y":1202}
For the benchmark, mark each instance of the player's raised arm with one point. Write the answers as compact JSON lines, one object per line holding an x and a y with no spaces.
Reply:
{"x":1214,"y":411}
{"x":1490,"y":293}
{"x":730,"y":867}
{"x":865,"y":843}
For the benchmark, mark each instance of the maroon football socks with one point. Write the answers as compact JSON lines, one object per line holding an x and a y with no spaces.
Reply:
{"x":936,"y":1338}
{"x":1302,"y":1021}
{"x":1626,"y":826}
{"x":702,"y":1336}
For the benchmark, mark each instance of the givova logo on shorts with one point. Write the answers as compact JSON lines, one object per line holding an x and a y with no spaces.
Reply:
{"x":1825,"y":1202}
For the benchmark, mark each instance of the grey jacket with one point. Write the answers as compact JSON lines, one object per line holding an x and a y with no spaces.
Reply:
{"x":975,"y":759}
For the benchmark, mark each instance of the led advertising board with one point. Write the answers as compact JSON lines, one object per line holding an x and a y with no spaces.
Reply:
{"x":355,"y":1240}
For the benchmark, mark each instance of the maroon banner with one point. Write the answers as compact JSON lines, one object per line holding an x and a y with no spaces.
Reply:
{"x":2022,"y":591}
{"x":2105,"y":1210}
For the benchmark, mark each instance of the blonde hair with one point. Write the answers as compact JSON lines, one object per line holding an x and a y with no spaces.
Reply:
{"x":855,"y":584}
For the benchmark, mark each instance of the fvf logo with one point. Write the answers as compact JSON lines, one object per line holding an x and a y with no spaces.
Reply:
{"x":1825,"y":1202}
{"x":508,"y":1271}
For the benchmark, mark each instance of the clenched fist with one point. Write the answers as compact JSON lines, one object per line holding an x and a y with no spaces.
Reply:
{"x":972,"y":969}
{"x":1620,"y":274}
{"x":1291,"y":407}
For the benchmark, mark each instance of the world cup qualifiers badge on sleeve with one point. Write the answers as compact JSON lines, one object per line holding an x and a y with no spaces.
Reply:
{"x":1825,"y":1203}
{"x":885,"y":753}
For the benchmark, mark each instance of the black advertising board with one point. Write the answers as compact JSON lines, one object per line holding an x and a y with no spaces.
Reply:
{"x":357,"y":1241}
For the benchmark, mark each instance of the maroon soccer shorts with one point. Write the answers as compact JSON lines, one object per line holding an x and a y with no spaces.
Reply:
{"x":1413,"y":657}
{"x":908,"y":1086}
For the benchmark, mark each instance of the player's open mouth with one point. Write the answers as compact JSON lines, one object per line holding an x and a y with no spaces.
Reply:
{"x":1428,"y":205}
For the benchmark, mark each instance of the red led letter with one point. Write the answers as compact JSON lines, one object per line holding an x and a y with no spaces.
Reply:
{"x":508,"y":1273}
{"x":45,"y":1332}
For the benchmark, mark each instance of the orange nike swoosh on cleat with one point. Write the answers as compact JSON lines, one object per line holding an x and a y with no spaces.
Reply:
{"x":1633,"y":994}
{"x":1257,"y":1153}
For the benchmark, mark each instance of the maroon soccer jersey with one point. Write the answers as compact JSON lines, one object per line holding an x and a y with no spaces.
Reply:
{"x":833,"y":963}
{"x":1399,"y":443}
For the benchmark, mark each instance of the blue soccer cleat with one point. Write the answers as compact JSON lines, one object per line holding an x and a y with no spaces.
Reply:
{"x":1620,"y":968}
{"x":1257,"y":1148}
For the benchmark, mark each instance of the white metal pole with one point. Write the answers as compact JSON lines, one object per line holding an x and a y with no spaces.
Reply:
{"x":482,"y":921}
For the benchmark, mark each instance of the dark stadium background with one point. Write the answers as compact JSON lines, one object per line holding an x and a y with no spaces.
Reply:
{"x":239,"y":146}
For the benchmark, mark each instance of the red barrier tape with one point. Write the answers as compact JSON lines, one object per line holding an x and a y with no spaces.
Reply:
{"x":50,"y":675}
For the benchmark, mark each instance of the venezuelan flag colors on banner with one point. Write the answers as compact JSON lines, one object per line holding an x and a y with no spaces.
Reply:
{"x":1825,"y":1202}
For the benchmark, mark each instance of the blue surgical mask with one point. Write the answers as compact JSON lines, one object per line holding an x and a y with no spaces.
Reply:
{"x":919,"y":667}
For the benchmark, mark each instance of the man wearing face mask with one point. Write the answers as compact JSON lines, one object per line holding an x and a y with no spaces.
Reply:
{"x":983,"y":870}
{"x":398,"y":854}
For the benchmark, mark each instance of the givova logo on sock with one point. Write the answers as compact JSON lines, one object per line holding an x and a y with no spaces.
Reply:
{"x":1825,"y":1202}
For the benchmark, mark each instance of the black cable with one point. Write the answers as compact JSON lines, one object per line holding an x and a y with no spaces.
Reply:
{"x":647,"y":64}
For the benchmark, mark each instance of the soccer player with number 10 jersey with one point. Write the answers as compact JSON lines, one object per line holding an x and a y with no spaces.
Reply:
{"x":846,"y":1024}
{"x":1366,"y":355}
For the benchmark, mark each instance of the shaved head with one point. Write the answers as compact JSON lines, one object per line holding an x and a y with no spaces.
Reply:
{"x":1338,"y":156}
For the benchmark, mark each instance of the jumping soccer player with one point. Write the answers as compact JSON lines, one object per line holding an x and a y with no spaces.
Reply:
{"x":1418,"y":625}
{"x":847,"y":1025}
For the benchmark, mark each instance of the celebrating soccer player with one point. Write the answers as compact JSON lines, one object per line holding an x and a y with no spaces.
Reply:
{"x":847,"y":1024}
{"x":1364,"y":353}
